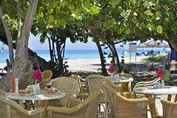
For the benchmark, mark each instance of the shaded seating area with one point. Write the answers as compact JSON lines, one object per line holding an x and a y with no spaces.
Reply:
{"x":103,"y":99}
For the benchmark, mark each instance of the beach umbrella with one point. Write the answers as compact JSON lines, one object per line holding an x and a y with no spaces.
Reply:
{"x":164,"y":45}
{"x":152,"y":44}
{"x":156,"y":44}
{"x":142,"y":45}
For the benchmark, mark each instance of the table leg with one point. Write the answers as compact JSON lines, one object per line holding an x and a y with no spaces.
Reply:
{"x":169,"y":97}
{"x":152,"y":106}
{"x":175,"y":98}
{"x":126,"y":86}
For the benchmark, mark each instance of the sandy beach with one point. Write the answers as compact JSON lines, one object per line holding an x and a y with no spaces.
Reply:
{"x":94,"y":64}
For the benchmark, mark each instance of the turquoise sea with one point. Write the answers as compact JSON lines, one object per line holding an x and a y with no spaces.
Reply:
{"x":82,"y":54}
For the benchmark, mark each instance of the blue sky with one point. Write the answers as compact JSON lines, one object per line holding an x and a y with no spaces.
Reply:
{"x":35,"y":44}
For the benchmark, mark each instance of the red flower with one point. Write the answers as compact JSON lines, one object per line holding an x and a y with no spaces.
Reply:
{"x":111,"y":68}
{"x":37,"y":76}
{"x":160,"y":73}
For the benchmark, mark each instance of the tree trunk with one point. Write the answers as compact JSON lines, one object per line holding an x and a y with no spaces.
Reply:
{"x":115,"y":56}
{"x":102,"y":59}
{"x":22,"y":64}
{"x":8,"y":35}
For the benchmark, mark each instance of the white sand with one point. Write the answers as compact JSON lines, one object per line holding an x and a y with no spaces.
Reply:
{"x":94,"y":64}
{"x":2,"y":65}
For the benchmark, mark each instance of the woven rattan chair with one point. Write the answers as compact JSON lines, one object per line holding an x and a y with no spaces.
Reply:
{"x":169,"y":109}
{"x":3,"y":93}
{"x":147,"y":83}
{"x":123,"y":107}
{"x":69,"y":86}
{"x":85,"y":109}
{"x":46,"y":76}
{"x":95,"y":82}
{"x":83,"y":92}
{"x":10,"y":109}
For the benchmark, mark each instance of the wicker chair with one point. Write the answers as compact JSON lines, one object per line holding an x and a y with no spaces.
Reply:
{"x":95,"y":82}
{"x":3,"y":93}
{"x":46,"y":76}
{"x":146,"y":83}
{"x":69,"y":86}
{"x":169,"y":109}
{"x":85,"y":109}
{"x":10,"y":109}
{"x":125,"y":105}
{"x":83,"y":92}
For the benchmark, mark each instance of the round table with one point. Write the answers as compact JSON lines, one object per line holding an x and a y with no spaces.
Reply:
{"x":41,"y":95}
{"x":150,"y":92}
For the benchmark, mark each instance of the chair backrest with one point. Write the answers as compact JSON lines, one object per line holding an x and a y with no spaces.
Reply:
{"x":147,"y":83}
{"x":169,"y":109}
{"x":81,"y":82}
{"x":68,"y":85}
{"x":126,"y":107}
{"x":10,"y":109}
{"x":95,"y":82}
{"x":3,"y":93}
{"x":46,"y":76}
{"x":85,"y":109}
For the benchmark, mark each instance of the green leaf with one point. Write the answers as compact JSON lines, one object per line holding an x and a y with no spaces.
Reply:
{"x":150,"y":27}
{"x":157,"y":7}
{"x":159,"y":29}
{"x":62,"y":22}
{"x":158,"y":15}
{"x":114,"y":2}
{"x":95,"y":10}
{"x":51,"y":19}
{"x":128,"y":31}
{"x":119,"y":31}
{"x":50,"y":11}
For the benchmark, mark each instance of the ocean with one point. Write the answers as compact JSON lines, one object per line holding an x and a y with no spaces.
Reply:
{"x":82,"y":54}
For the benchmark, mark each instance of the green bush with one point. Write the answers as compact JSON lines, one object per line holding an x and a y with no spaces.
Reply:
{"x":155,"y":58}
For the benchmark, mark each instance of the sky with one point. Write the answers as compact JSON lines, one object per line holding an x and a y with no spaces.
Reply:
{"x":35,"y":44}
{"x":69,"y":46}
